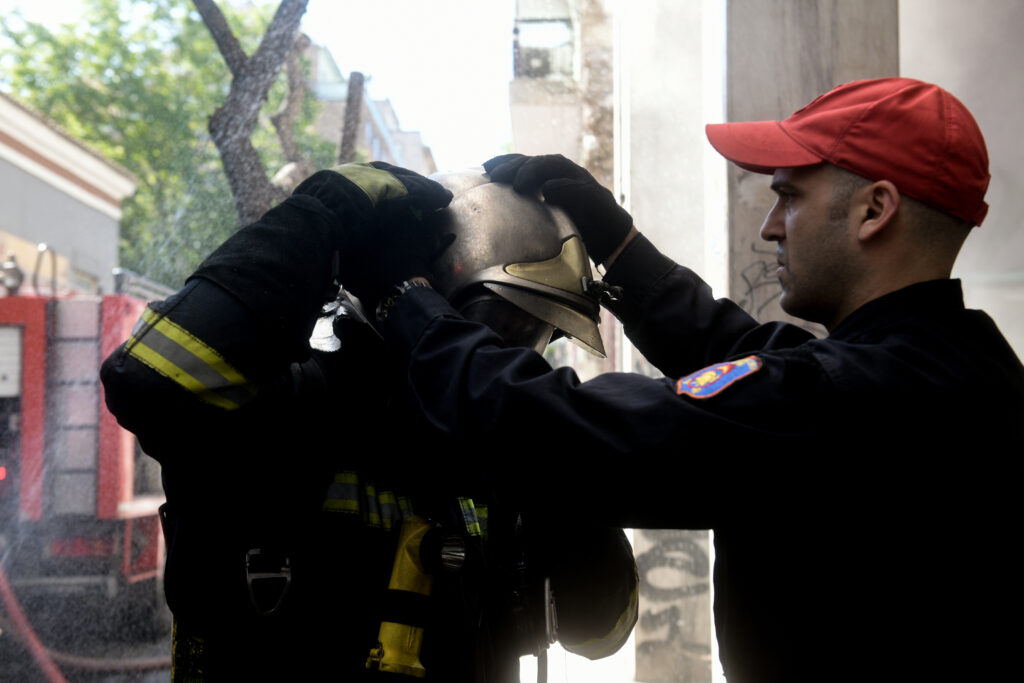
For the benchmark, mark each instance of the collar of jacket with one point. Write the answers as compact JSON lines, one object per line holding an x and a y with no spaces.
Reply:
{"x":932,"y":298}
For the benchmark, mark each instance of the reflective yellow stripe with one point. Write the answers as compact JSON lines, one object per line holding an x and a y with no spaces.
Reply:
{"x":175,"y":353}
{"x":481,"y":515}
{"x":611,"y":642}
{"x":372,"y":510}
{"x":154,"y":360}
{"x":376,"y":508}
{"x":343,"y":494}
{"x":389,"y":510}
{"x":341,"y":505}
{"x":469,"y":517}
{"x":194,"y":345}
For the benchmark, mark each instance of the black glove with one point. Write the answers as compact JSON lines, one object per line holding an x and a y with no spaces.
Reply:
{"x":282,"y":267}
{"x":386,"y":236}
{"x":602,"y":223}
{"x":367,"y":195}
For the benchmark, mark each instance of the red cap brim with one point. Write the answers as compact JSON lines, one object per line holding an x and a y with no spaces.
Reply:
{"x":758,"y":146}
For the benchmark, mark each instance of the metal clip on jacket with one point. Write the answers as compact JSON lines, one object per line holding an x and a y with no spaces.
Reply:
{"x":268,"y":576}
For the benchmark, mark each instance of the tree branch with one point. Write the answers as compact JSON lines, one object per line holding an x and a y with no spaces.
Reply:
{"x":353,"y":114}
{"x":232,"y":124}
{"x":223,"y":36}
{"x":297,"y":167}
{"x":284,"y":118}
{"x":279,"y":39}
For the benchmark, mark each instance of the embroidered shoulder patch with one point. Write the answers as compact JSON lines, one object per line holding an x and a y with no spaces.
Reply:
{"x":716,"y":378}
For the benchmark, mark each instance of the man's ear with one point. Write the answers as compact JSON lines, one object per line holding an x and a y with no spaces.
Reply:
{"x":878,"y":205}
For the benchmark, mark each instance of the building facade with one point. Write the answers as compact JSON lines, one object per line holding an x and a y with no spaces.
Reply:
{"x":374,"y":127}
{"x":60,"y":204}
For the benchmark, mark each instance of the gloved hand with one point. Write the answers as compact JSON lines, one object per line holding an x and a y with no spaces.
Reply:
{"x":602,"y":223}
{"x":386,"y":234}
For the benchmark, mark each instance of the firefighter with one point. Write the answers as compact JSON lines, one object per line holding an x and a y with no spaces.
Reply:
{"x":311,"y":532}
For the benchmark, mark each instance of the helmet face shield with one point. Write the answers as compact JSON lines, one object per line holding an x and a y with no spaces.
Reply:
{"x":510,"y":322}
{"x":515,"y":249}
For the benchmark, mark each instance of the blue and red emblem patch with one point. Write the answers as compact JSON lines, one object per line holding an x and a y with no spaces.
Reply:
{"x":716,"y":378}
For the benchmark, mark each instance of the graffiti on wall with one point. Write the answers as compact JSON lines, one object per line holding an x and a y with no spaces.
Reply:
{"x":673,"y":635}
{"x":758,"y":288}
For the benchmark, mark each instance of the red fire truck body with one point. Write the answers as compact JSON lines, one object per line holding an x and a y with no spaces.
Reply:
{"x":78,"y":499}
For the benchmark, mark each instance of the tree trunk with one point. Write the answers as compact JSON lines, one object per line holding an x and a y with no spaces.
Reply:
{"x":297,"y":167}
{"x":353,"y":113}
{"x":232,"y":125}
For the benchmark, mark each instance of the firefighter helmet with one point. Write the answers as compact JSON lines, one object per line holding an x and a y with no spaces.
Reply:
{"x":514,"y":254}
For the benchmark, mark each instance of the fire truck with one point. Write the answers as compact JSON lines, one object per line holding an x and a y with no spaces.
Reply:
{"x":78,"y":498}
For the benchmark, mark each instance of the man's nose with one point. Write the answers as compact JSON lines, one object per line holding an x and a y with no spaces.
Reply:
{"x":772,"y":230}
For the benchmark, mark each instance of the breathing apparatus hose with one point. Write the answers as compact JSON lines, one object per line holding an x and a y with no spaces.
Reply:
{"x":26,"y":633}
{"x":48,"y":660}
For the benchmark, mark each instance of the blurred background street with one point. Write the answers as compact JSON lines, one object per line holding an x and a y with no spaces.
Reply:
{"x":88,"y":648}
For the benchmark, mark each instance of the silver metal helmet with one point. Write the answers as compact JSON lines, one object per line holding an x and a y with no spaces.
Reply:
{"x":514,"y":255}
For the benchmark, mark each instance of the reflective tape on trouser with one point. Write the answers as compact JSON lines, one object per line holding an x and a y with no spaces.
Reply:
{"x":481,"y":517}
{"x":470,"y":517}
{"x":348,"y":495}
{"x":177,"y":354}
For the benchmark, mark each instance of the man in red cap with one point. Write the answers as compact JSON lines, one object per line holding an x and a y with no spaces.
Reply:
{"x":860,"y":486}
{"x":912,"y":154}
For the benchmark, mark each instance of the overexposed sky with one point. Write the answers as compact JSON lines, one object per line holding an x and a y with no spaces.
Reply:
{"x":444,"y":64}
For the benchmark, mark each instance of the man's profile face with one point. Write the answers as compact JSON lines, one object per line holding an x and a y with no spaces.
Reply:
{"x":814,"y":243}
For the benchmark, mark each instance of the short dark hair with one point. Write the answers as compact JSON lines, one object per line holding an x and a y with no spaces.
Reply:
{"x":844,"y":185}
{"x":935,"y":230}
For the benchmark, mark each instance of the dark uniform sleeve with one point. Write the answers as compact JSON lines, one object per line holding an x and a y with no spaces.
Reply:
{"x":467,"y":384}
{"x":732,"y":430}
{"x":669,"y":313}
{"x":238,"y":331}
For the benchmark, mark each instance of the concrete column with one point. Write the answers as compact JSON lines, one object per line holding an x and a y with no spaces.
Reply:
{"x":680,"y":65}
{"x":974,"y":51}
{"x":781,"y":54}
{"x":661,"y":154}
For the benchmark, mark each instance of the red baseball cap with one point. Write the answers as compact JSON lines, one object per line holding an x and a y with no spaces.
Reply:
{"x":913,"y":134}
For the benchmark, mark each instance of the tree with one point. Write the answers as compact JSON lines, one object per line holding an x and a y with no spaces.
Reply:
{"x":233,"y":123}
{"x":139,"y":81}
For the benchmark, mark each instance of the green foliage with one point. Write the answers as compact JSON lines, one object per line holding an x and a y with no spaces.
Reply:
{"x":138,"y":82}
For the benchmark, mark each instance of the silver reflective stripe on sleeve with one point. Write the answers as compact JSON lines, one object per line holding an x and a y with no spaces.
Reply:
{"x":177,"y":354}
